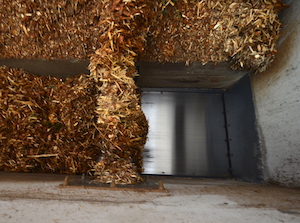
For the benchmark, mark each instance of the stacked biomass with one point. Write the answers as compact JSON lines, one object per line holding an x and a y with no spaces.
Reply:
{"x":112,"y":66}
{"x":47,"y":124}
{"x":54,"y":29}
{"x":87,"y":124}
{"x":94,"y":123}
{"x":243,"y":32}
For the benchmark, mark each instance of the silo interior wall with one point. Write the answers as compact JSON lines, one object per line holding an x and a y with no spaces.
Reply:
{"x":277,"y":101}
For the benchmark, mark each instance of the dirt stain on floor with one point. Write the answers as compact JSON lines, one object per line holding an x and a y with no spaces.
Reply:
{"x":248,"y":195}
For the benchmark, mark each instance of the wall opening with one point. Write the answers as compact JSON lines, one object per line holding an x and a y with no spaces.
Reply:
{"x":202,"y":133}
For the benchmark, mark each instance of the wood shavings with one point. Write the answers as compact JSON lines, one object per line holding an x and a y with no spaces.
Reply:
{"x":46,"y":124}
{"x":177,"y":30}
{"x":118,"y":106}
{"x":84,"y":118}
{"x":56,"y":29}
{"x":215,"y":31}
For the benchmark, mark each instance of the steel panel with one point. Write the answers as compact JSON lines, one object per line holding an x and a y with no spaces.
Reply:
{"x":186,"y":134}
{"x":243,"y":136}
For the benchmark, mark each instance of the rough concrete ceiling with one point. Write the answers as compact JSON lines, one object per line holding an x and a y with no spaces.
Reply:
{"x":152,"y":75}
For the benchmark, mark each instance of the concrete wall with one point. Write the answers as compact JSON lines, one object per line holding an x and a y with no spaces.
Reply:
{"x":277,"y":100}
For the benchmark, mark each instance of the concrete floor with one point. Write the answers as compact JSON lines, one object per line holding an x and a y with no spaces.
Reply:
{"x":37,"y":198}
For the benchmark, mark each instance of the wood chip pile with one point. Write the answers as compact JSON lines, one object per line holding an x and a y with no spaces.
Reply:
{"x":242,"y":31}
{"x":119,"y":112}
{"x":46,"y":124}
{"x":95,"y":125}
{"x":54,"y":29}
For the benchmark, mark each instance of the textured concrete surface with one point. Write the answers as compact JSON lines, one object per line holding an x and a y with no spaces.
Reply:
{"x":37,"y":198}
{"x":277,"y":98}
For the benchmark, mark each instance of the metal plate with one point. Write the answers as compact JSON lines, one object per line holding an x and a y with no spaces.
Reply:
{"x":56,"y":68}
{"x":186,"y":134}
{"x":242,"y":131}
{"x":178,"y":75}
{"x":151,"y":74}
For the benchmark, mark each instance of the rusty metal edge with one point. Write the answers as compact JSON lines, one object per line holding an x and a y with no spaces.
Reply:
{"x":115,"y":188}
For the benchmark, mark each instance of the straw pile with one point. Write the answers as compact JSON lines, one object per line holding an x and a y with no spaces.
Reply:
{"x":89,"y":123}
{"x":54,"y":29}
{"x":52,"y":125}
{"x":242,"y":31}
{"x":119,"y":112}
{"x":46,"y":124}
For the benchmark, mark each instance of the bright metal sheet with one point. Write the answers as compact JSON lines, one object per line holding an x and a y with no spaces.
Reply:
{"x":180,"y":134}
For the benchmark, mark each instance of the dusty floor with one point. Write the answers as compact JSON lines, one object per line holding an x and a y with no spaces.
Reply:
{"x":37,"y":198}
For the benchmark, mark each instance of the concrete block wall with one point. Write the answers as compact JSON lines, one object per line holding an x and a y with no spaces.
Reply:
{"x":276,"y":95}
